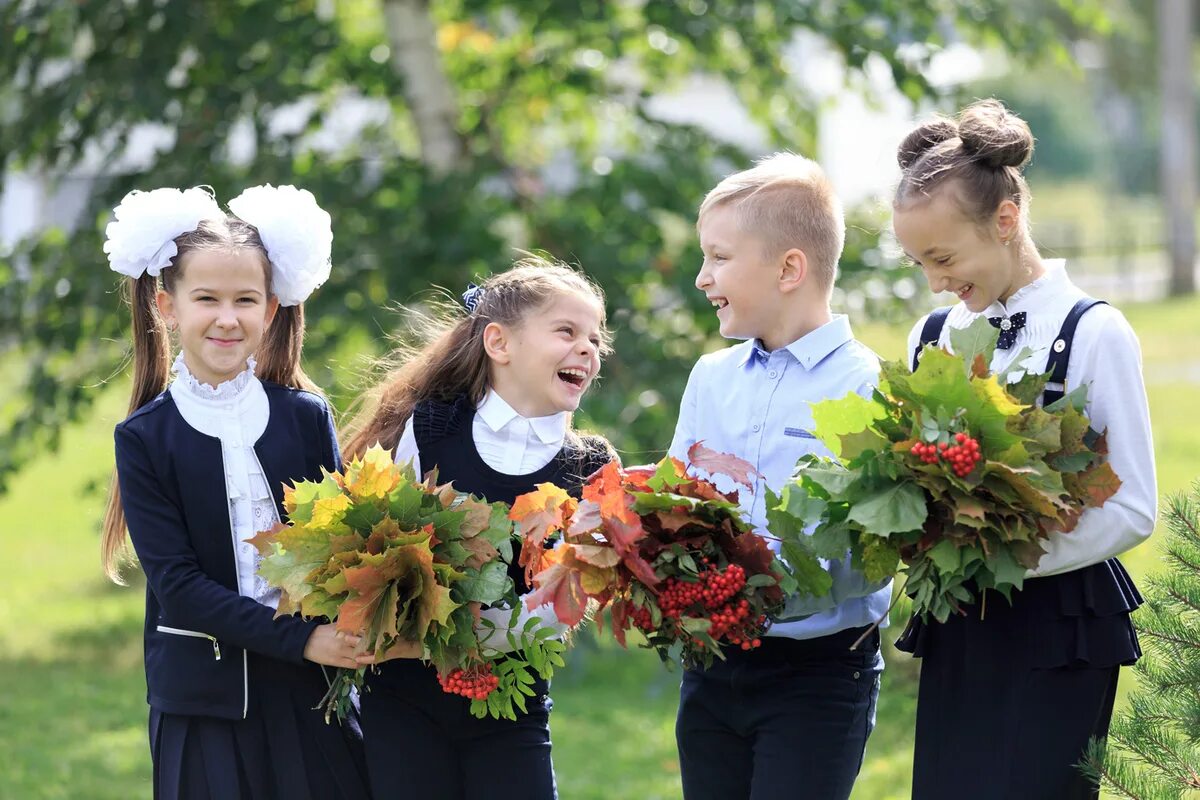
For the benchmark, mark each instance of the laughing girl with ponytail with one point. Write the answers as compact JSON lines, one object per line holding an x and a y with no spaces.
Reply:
{"x":200,"y":465}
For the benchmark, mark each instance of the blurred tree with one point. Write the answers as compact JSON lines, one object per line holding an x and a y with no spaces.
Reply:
{"x":440,"y":137}
{"x":1177,"y":77}
{"x":1153,"y":747}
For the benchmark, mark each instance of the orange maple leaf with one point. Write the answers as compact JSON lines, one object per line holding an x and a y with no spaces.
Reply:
{"x":607,"y":490}
{"x":540,"y":512}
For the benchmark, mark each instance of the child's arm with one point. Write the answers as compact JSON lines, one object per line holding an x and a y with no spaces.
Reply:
{"x":331,"y":453}
{"x":848,"y":583}
{"x":1110,"y":362}
{"x":188,"y":596}
{"x":685,"y":425}
{"x":407,"y":451}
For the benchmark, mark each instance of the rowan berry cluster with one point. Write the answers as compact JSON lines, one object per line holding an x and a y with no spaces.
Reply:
{"x":475,"y":683}
{"x":713,"y":595}
{"x":962,"y":456}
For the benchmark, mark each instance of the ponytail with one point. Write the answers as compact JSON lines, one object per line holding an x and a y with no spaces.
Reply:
{"x":279,"y":352}
{"x":151,"y":370}
{"x":453,"y":363}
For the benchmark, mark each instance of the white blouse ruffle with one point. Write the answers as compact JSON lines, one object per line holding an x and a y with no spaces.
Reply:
{"x":235,"y":412}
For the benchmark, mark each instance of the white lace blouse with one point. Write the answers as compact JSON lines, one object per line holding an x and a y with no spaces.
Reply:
{"x":236,"y":413}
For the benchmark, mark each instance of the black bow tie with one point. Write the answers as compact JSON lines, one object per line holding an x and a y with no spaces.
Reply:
{"x":1008,"y":328}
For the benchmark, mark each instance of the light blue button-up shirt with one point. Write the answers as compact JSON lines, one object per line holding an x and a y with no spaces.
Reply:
{"x":756,"y":405}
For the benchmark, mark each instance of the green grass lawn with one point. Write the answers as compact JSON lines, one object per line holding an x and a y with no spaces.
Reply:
{"x":72,"y":710}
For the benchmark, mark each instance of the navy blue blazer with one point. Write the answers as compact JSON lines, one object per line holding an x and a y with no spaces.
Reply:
{"x":172,"y":481}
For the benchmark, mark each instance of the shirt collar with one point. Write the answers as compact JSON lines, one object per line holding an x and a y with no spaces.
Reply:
{"x":810,"y":349}
{"x":496,"y":413}
{"x":1024,"y":299}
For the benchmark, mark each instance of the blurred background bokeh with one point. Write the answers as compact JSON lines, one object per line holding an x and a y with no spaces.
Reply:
{"x":443,"y":138}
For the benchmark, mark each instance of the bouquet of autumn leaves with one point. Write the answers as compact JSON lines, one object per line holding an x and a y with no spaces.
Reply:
{"x":407,"y":566}
{"x":667,"y":553}
{"x":949,"y":470}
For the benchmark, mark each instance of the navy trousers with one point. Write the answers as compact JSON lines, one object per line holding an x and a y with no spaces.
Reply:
{"x":787,"y":720}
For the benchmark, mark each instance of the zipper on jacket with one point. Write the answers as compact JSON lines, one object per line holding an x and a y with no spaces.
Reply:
{"x":233,"y":543}
{"x":183,"y":632}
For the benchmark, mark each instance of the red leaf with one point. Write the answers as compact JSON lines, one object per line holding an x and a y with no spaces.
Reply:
{"x":620,"y":620}
{"x":1099,"y":483}
{"x":585,"y":519}
{"x":559,"y":586}
{"x":625,"y":537}
{"x":712,"y":462}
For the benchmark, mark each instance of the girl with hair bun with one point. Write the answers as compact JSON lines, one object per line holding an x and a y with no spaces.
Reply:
{"x":1009,"y":700}
{"x":201,"y":463}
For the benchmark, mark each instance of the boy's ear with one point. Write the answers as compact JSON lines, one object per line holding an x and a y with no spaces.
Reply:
{"x":793,"y":270}
{"x":496,"y":342}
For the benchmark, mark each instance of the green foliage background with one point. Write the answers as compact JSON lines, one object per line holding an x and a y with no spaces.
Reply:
{"x":559,"y":152}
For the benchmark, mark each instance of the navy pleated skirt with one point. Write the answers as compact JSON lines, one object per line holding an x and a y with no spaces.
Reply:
{"x":282,"y":750}
{"x":1008,"y":702}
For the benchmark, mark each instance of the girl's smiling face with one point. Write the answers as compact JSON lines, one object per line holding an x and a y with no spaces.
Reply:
{"x":221,"y":307}
{"x":958,"y":254}
{"x":544,"y":365}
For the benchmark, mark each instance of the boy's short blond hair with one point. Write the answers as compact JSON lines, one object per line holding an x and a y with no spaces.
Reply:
{"x":787,"y":201}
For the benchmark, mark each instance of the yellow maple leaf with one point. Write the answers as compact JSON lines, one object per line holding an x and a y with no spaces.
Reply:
{"x":372,"y":476}
{"x":328,"y":511}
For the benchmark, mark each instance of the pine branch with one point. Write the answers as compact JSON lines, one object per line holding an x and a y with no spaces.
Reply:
{"x":1152,"y":753}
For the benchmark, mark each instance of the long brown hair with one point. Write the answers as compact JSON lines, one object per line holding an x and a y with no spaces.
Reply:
{"x":278,"y":354}
{"x":448,"y":359}
{"x":982,"y":151}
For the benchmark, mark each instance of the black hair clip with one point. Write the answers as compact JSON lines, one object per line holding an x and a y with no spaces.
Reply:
{"x":471,"y":297}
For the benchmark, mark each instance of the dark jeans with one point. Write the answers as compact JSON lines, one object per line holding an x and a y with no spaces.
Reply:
{"x":787,"y":720}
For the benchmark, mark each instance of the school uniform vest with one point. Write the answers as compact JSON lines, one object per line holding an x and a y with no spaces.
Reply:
{"x":444,"y":441}
{"x":198,"y":627}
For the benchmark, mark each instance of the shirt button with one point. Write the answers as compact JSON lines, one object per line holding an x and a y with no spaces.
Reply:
{"x":756,"y":427}
{"x":772,"y":374}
